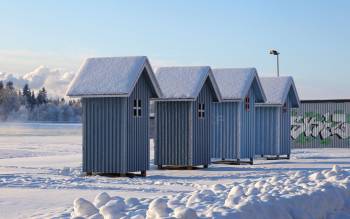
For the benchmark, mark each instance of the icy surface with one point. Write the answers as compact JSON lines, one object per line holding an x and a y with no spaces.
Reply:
{"x":234,"y":83}
{"x":276,"y":88}
{"x":107,"y":76}
{"x":181,"y":82}
{"x":40,"y":177}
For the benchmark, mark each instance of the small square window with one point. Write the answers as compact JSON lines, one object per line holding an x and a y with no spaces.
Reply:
{"x":247,"y":104}
{"x":201,"y":110}
{"x":137,"y":108}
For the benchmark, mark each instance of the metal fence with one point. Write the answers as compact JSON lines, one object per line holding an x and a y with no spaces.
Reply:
{"x":321,"y":124}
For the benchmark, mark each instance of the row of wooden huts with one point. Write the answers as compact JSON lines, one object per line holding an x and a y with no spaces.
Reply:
{"x":201,"y":114}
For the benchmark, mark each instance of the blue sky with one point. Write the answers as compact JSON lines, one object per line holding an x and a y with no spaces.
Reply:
{"x":312,"y":36}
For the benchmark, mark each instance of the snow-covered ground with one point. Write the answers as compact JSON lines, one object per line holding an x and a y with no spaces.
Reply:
{"x":40,"y":178}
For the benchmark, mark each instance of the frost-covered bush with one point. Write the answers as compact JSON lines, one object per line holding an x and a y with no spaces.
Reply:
{"x":17,"y":105}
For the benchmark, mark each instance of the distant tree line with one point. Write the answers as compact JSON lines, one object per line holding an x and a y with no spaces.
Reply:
{"x":25,"y":105}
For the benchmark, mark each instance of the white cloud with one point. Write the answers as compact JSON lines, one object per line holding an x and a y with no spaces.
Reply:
{"x":54,"y":80}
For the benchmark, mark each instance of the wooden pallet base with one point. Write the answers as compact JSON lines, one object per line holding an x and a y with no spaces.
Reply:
{"x":130,"y":175}
{"x":233,"y":162}
{"x":173,"y":167}
{"x":277,"y":157}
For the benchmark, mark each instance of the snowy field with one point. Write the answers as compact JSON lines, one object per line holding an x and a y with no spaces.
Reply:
{"x":40,"y":178}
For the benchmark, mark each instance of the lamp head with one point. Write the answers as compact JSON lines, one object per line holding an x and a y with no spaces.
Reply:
{"x":274,"y":52}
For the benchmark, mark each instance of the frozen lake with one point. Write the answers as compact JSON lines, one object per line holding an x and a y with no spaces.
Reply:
{"x":40,"y":172}
{"x":38,"y":139}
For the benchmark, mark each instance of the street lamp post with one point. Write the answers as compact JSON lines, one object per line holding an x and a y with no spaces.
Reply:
{"x":276,"y":53}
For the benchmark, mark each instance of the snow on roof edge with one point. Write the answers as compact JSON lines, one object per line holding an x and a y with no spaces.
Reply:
{"x":286,"y":89}
{"x":145,"y":65}
{"x":151,"y":76}
{"x":236,"y":82}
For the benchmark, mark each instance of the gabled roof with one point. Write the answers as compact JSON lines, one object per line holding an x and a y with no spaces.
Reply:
{"x":277,"y":90}
{"x":184,"y":83}
{"x":111,"y":76}
{"x":234,"y":83}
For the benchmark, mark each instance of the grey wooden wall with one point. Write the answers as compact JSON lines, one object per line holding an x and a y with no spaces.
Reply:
{"x":266,"y":131}
{"x":224,"y":131}
{"x":233,"y":129}
{"x":104,"y":136}
{"x":114,"y":141}
{"x":202,"y":126}
{"x":172,"y":135}
{"x":273,"y":130}
{"x":137,"y":150}
{"x":247,"y":142}
{"x":181,"y":137}
{"x":285,"y":144}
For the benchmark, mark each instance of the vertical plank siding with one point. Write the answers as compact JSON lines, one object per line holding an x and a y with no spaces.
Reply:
{"x":172,"y":142}
{"x":102,"y":138}
{"x":273,"y":130}
{"x":224,"y":131}
{"x":266,"y":129}
{"x":183,"y":139}
{"x":247,"y":145}
{"x":233,"y":130}
{"x":114,"y":141}
{"x":285,"y":146}
{"x":137,"y":150}
{"x":202,"y":127}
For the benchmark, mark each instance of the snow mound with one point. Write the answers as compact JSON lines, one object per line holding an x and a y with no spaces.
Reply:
{"x":316,"y":176}
{"x":158,"y":208}
{"x":113,"y":209}
{"x":234,"y":197}
{"x":101,"y":199}
{"x":218,"y":187}
{"x":185,"y":213}
{"x":83,"y":208}
{"x":336,"y":168}
{"x":300,"y":194}
{"x":131,"y":202}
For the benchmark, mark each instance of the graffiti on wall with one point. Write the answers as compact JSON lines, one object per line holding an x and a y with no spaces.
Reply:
{"x":324,"y":126}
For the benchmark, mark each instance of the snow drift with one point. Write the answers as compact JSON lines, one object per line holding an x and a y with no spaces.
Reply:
{"x":303,"y":194}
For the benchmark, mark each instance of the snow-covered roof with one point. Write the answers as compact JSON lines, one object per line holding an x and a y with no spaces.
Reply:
{"x":111,"y":76}
{"x":277,"y":90}
{"x":234,"y":83}
{"x":184,"y":82}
